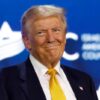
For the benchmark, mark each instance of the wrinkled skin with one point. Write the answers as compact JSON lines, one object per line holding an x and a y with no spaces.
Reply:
{"x":46,"y":40}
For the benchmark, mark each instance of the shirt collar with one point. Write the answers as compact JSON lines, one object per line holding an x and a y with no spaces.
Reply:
{"x":42,"y":69}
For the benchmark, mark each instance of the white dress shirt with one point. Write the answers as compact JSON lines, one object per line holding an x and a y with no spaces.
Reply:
{"x":41,"y":72}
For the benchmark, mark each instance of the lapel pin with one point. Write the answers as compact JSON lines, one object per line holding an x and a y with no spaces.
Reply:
{"x":81,"y":88}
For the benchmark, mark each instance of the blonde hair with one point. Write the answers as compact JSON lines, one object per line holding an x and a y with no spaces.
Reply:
{"x":41,"y":11}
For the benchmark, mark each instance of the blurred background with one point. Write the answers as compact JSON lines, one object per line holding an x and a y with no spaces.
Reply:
{"x":82,"y":51}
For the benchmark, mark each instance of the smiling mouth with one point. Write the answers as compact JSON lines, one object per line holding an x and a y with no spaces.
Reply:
{"x":52,"y":47}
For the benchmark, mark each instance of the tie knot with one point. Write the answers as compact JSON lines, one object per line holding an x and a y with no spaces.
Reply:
{"x":52,"y":71}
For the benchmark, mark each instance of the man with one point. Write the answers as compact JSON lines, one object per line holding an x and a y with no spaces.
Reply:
{"x":42,"y":77}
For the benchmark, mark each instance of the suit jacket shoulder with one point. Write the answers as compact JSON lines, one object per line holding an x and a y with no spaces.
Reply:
{"x":21,"y":82}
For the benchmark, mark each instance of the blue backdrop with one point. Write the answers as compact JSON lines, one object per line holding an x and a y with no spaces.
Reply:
{"x":83,"y":38}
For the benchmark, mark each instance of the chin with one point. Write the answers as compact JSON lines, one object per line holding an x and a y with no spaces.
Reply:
{"x":54,"y":60}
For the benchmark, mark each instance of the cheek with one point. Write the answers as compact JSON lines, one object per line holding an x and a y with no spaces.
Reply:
{"x":39,"y":41}
{"x":63,"y":42}
{"x":62,"y":39}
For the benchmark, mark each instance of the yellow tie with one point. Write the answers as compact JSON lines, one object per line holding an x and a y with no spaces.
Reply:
{"x":55,"y":89}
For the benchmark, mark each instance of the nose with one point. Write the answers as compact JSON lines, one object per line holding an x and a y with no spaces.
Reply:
{"x":50,"y":36}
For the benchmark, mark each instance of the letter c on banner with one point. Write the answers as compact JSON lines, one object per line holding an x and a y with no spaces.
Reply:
{"x":75,"y":56}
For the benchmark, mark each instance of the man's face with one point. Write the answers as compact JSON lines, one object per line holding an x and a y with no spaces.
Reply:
{"x":46,"y":40}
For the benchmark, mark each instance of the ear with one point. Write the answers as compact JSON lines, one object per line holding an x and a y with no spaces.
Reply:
{"x":26,"y":41}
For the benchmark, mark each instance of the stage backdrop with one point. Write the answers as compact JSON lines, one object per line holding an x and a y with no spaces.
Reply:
{"x":82,"y":51}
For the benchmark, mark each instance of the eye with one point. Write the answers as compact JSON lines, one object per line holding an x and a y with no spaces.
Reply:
{"x":40,"y":33}
{"x":56,"y":29}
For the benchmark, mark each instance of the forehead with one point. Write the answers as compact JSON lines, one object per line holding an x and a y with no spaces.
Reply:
{"x":46,"y":22}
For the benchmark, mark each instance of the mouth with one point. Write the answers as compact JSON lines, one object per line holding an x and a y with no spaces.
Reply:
{"x":52,"y":47}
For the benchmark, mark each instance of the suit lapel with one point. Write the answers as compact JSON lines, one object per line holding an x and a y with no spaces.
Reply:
{"x":25,"y":84}
{"x":33,"y":84}
{"x":77,"y":85}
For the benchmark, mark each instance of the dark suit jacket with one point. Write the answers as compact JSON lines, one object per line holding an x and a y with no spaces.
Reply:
{"x":20,"y":82}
